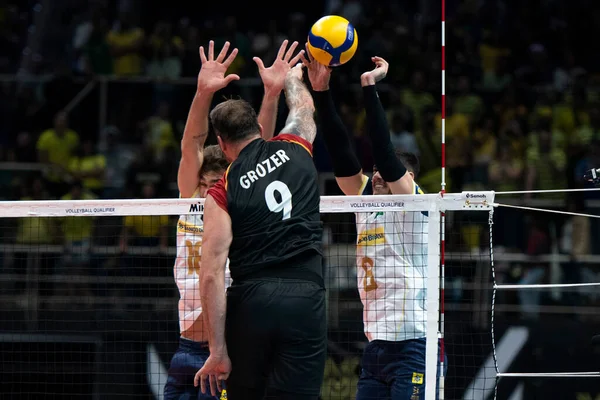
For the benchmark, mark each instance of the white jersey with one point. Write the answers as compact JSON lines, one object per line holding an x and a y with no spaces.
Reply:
{"x":392,"y":273}
{"x":187,"y":267}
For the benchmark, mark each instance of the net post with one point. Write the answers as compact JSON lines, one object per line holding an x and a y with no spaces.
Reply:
{"x":443,"y":97}
{"x":433,"y":303}
{"x":442,"y":216}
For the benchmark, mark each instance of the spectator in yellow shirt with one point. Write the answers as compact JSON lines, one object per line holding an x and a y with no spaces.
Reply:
{"x":590,"y":131}
{"x":466,"y":102}
{"x":546,"y":164}
{"x":88,"y":166}
{"x":159,"y":132}
{"x":34,"y":229}
{"x":55,"y":148}
{"x":126,"y":42}
{"x":146,"y":230}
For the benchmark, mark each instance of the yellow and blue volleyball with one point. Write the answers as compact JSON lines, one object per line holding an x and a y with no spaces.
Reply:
{"x":332,"y":40}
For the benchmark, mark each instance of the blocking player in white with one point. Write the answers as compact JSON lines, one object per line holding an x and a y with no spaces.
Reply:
{"x":200,"y":169}
{"x":391,"y":247}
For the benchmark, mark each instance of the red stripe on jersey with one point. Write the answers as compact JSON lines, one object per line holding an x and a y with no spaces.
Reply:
{"x":288,"y":137}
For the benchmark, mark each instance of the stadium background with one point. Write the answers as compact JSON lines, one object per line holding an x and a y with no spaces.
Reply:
{"x":523,"y":113}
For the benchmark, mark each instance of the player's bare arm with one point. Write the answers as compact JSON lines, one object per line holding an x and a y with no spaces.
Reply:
{"x":215,"y":249}
{"x":391,"y":169}
{"x":273,"y":79}
{"x":347,"y":170}
{"x":300,"y":121}
{"x":211,"y":79}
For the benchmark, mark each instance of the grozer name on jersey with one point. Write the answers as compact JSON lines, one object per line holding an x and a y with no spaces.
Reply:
{"x":264,"y":168}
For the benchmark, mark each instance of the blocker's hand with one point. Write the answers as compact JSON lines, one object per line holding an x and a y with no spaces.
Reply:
{"x":318,"y":74}
{"x":273,"y":77}
{"x":376,"y":74}
{"x":216,"y":370}
{"x":211,"y":77}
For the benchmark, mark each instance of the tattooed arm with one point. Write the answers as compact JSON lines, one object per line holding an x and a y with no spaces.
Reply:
{"x":300,"y":120}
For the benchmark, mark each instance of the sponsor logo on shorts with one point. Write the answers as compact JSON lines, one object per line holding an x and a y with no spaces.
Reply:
{"x":417,"y":378}
{"x":187,"y":228}
{"x":371,"y":237}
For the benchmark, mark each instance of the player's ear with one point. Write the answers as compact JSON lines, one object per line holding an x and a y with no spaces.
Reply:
{"x":221,"y":144}
{"x":412,"y":175}
{"x":261,"y":129}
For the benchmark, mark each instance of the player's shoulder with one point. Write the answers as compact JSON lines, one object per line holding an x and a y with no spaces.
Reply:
{"x":292,"y":141}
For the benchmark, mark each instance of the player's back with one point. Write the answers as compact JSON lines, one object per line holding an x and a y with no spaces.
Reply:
{"x":273,"y":201}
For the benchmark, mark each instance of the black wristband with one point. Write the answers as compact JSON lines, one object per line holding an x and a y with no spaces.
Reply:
{"x":345,"y":163}
{"x":390,"y":168}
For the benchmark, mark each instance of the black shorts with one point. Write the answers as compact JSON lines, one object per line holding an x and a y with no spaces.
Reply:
{"x":276,"y":332}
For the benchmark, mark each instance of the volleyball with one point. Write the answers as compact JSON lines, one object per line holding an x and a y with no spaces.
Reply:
{"x":332,"y":40}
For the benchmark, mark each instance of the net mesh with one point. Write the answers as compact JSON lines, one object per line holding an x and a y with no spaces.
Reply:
{"x":468,"y":305}
{"x":90,"y":304}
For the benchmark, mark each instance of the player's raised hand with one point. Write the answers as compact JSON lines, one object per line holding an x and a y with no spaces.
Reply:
{"x":318,"y":74}
{"x":211,"y":77}
{"x":273,"y":77}
{"x":376,"y":74}
{"x":216,"y":370}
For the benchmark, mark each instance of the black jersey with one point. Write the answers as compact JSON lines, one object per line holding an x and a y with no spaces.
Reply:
{"x":271,"y":193}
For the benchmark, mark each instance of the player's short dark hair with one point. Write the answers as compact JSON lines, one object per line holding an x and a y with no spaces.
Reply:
{"x":214,"y":160}
{"x":410,"y":161}
{"x":234,"y":120}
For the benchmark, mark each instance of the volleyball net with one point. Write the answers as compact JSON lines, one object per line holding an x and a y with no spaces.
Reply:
{"x":89,"y":305}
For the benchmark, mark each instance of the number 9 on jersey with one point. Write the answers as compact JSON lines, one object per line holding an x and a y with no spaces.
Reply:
{"x":285,"y":202}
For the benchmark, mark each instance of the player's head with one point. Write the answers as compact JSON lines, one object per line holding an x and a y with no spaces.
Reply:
{"x":213,"y":167}
{"x":410,"y":162}
{"x":234,"y":122}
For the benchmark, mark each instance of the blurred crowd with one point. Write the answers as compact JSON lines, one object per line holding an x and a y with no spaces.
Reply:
{"x":522,"y":105}
{"x":522,"y":95}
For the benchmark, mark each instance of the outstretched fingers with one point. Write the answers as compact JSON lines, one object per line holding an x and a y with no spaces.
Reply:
{"x":223,"y":52}
{"x":290,"y":52}
{"x":303,"y":58}
{"x":379,"y":62}
{"x":211,"y":51}
{"x":230,"y":78}
{"x":202,"y":55}
{"x":297,"y":58}
{"x":281,"y":52}
{"x":231,"y":57}
{"x":259,"y":63}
